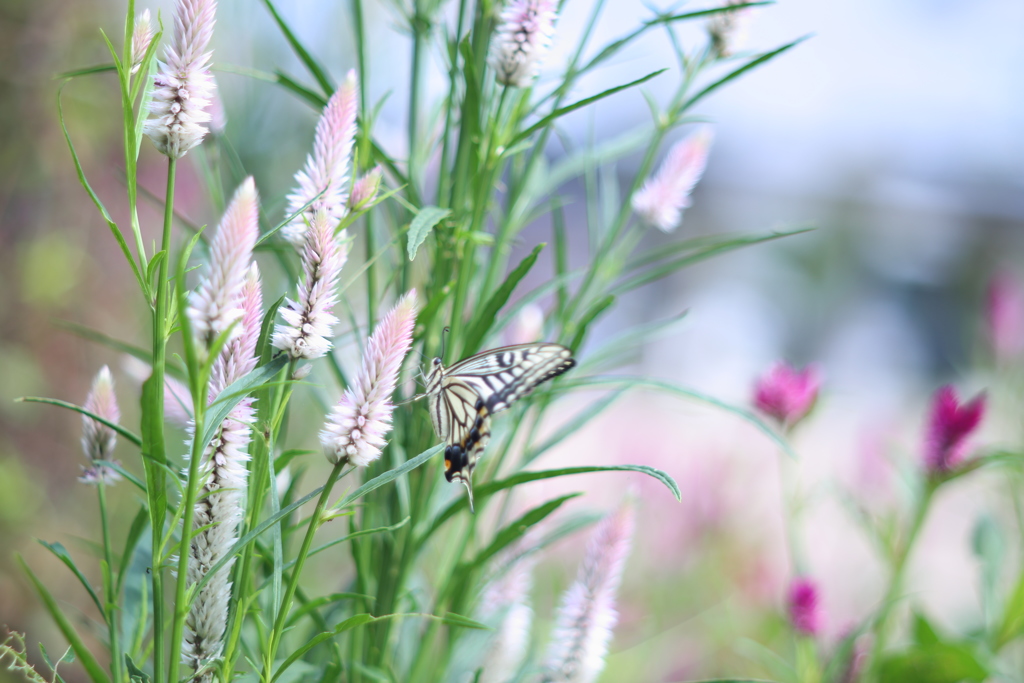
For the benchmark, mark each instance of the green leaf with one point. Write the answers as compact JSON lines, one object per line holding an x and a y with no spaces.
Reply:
{"x":136,"y":674}
{"x":63,"y":555}
{"x":317,"y":603}
{"x":935,"y":663}
{"x":89,"y":663}
{"x":924,"y":632}
{"x":315,"y":99}
{"x":1011,"y":626}
{"x":145,"y":355}
{"x":486,"y":316}
{"x":239,"y":389}
{"x":131,"y":541}
{"x":422,"y":224}
{"x":482,"y":491}
{"x":314,"y":67}
{"x":574,"y":425}
{"x":389,"y":476}
{"x":264,"y":349}
{"x":86,"y":71}
{"x":562,"y":111}
{"x":79,"y":409}
{"x":752,"y":64}
{"x":589,"y":317}
{"x":516,"y":529}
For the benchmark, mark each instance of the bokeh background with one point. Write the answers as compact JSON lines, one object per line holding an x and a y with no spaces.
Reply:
{"x":896,"y":130}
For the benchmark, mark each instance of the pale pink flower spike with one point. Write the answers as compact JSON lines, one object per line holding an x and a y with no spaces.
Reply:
{"x":98,"y":440}
{"x":324,"y":178}
{"x":787,"y":394}
{"x":949,"y":424}
{"x":505,"y":606}
{"x":365,"y":189}
{"x":215,"y":305}
{"x":521,"y":40}
{"x":587,"y":616}
{"x":308,"y":321}
{"x":142,"y":36}
{"x":184,"y":85}
{"x":661,"y":200}
{"x":357,"y":425}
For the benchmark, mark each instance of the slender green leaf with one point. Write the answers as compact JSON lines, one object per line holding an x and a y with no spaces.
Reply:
{"x":65,"y":557}
{"x":136,"y":674}
{"x":422,"y":224}
{"x":486,"y":316}
{"x":1011,"y":625}
{"x":516,"y":529}
{"x":574,"y":425}
{"x":86,"y":71}
{"x":752,"y":64}
{"x":389,"y":476}
{"x":591,"y":315}
{"x":935,"y":663}
{"x":239,"y":389}
{"x":322,"y":601}
{"x":79,"y":409}
{"x":314,"y":67}
{"x":89,"y":663}
{"x":264,"y":349}
{"x":131,"y":541}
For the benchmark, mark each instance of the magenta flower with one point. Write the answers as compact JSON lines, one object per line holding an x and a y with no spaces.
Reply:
{"x":356,"y":427}
{"x":804,"y":610}
{"x":215,"y":305}
{"x":324,"y":179}
{"x":521,"y":40}
{"x":949,"y":425}
{"x":142,"y":36}
{"x":587,"y":616}
{"x":1004,"y":316}
{"x":98,"y":440}
{"x":308,"y":322}
{"x":184,"y":85}
{"x":661,"y":200}
{"x":786,"y":394}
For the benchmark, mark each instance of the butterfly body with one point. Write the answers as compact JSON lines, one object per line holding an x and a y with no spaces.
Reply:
{"x":462,"y":398}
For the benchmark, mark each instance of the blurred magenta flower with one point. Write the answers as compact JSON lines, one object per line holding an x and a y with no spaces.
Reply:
{"x":324,"y":179}
{"x":804,"y":610}
{"x":356,"y":427}
{"x":1004,"y":316}
{"x":98,"y":440}
{"x":184,"y":85}
{"x":521,"y":40}
{"x":787,"y":394}
{"x":661,"y":200}
{"x":949,"y":424}
{"x":587,"y":616}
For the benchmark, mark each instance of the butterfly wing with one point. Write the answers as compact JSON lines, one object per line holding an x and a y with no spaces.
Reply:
{"x":477,"y":387}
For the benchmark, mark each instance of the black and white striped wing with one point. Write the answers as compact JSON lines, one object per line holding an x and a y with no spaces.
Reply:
{"x":502,"y":376}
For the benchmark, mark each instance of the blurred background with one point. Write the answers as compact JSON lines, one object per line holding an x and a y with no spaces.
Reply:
{"x":896,"y":130}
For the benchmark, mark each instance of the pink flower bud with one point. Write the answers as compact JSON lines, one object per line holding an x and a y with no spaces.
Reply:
{"x":804,"y":610}
{"x":141,"y":38}
{"x":365,"y":190}
{"x":786,"y":394}
{"x":949,"y":425}
{"x":98,"y":440}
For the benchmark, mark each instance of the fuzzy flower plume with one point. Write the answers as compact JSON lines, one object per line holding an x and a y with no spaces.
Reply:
{"x":224,"y":471}
{"x":804,"y":610}
{"x":142,"y":36}
{"x":1004,"y":316}
{"x":587,"y":616}
{"x":505,"y":605}
{"x":326,"y":169}
{"x":308,"y":322}
{"x":184,"y":85}
{"x":215,"y":306}
{"x":98,"y":440}
{"x":728,"y":30}
{"x":365,"y":189}
{"x":787,"y":394}
{"x":356,"y":427}
{"x":522,"y":39}
{"x":661,"y":200}
{"x":949,"y":425}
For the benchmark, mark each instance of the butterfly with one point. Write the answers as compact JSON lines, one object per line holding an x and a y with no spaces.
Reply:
{"x":462,"y":398}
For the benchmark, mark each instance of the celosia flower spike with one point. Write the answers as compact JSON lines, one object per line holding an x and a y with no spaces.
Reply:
{"x":184,"y":84}
{"x":215,"y":306}
{"x":356,"y":427}
{"x":727,"y":30}
{"x":1004,"y":316}
{"x":521,"y":40}
{"x":224,"y":472}
{"x":949,"y":425}
{"x":142,"y":36}
{"x":505,"y":606}
{"x":802,"y":604}
{"x":661,"y":200}
{"x":587,"y":616}
{"x":98,"y":440}
{"x":365,"y":189}
{"x":324,"y":179}
{"x":787,"y":394}
{"x":308,"y":322}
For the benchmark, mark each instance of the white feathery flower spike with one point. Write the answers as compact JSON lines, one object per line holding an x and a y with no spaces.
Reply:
{"x":324,"y":178}
{"x":308,"y":321}
{"x":142,"y":36}
{"x":357,"y":425}
{"x":521,"y":40}
{"x":184,"y":85}
{"x":215,"y":305}
{"x":224,"y":472}
{"x":98,"y":440}
{"x":661,"y":200}
{"x":505,"y":605}
{"x":587,"y":616}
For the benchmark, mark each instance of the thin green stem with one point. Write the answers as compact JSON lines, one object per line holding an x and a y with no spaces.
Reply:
{"x":109,"y":596}
{"x":300,"y":560}
{"x":418,"y":22}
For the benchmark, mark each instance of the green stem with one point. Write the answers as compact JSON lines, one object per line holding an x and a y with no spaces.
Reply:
{"x":417,"y":21}
{"x":110,"y":598}
{"x":300,"y":560}
{"x":881,"y":626}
